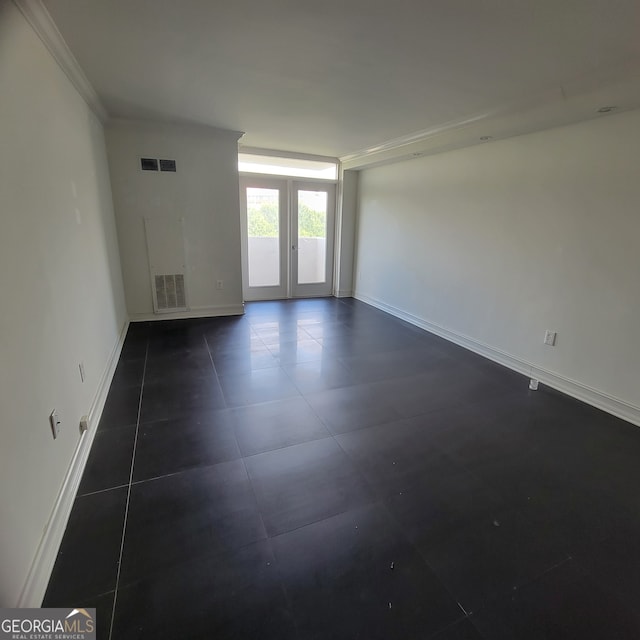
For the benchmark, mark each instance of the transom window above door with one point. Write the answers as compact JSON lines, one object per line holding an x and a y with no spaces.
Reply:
{"x":317,"y":169}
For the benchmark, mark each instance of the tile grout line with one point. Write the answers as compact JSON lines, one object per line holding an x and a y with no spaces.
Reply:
{"x":374,"y":501}
{"x":378,"y":499}
{"x":93,"y":493}
{"x":541,"y":575}
{"x":126,"y":510}
{"x":235,"y":437}
{"x":215,"y":373}
{"x":356,"y":467}
{"x":268,"y":539}
{"x":255,"y":497}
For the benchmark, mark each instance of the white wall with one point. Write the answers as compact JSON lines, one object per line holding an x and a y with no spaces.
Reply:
{"x":501,"y":241}
{"x":346,"y":227}
{"x":62,"y":296}
{"x":204,"y":191}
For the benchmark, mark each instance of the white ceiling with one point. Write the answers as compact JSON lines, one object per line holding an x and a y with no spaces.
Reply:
{"x":335,"y":77}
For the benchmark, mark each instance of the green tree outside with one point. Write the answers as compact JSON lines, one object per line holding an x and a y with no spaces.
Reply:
{"x":263,"y":221}
{"x":311,"y":222}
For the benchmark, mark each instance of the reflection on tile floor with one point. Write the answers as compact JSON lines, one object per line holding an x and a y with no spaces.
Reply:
{"x":320,"y":469}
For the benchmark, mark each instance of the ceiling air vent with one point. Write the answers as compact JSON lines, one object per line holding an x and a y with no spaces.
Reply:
{"x":149,"y":164}
{"x":170,"y":292}
{"x":167,"y":165}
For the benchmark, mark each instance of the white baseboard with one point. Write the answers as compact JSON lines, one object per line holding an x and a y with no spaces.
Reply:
{"x":578,"y":390}
{"x":194,"y":312}
{"x":37,"y":580}
{"x":343,"y":293}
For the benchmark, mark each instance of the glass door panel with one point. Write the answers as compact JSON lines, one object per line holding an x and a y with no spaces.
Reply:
{"x":312,"y":226}
{"x":263,"y":232}
{"x":312,"y":236}
{"x":263,"y":208}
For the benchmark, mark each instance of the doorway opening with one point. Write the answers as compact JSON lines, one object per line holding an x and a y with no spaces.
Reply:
{"x":288,"y":237}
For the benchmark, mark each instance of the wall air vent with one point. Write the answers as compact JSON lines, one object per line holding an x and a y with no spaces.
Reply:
{"x":167,"y":264}
{"x":148,"y":164}
{"x":170,"y":292}
{"x":167,"y":165}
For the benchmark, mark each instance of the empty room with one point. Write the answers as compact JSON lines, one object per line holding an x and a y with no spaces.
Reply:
{"x":320,"y":320}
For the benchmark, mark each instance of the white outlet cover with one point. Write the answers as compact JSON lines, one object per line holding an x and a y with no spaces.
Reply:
{"x":54,"y":420}
{"x":550,"y":338}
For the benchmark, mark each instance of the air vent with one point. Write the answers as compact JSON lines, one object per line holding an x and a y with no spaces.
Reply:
{"x":170,"y":292}
{"x":167,"y":165}
{"x":149,"y":164}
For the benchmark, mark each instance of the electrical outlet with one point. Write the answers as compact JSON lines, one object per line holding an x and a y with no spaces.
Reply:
{"x":550,"y":338}
{"x":82,"y":373}
{"x":219,"y":284}
{"x":55,"y":422}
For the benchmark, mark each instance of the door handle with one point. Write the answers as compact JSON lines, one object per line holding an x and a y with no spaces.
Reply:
{"x":293,"y":247}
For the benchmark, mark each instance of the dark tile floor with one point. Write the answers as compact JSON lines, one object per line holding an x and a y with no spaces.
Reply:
{"x":319,"y":469}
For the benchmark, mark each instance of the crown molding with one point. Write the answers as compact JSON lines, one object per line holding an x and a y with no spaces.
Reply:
{"x":573,"y":102}
{"x":45,"y":28}
{"x":155,"y":124}
{"x":418,"y":136}
{"x":419,"y":143}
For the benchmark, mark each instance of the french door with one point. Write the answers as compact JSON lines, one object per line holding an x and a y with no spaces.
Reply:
{"x":287,"y":238}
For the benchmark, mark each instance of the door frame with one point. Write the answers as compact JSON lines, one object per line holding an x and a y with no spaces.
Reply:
{"x":316,"y":289}
{"x":281,"y":290}
{"x":288,"y":228}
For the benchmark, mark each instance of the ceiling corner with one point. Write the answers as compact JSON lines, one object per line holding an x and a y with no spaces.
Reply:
{"x":45,"y":28}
